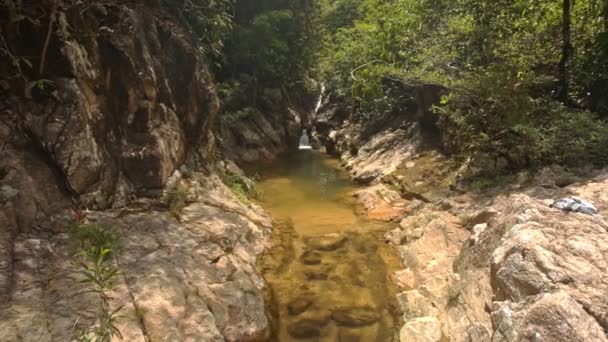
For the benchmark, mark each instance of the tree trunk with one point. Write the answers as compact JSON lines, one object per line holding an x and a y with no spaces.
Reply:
{"x":564,"y":64}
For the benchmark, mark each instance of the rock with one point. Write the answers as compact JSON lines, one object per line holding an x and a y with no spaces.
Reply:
{"x":477,"y":332}
{"x":355,"y":316}
{"x":305,"y":329}
{"x":479,"y":217}
{"x":536,"y":252}
{"x":414,"y":305}
{"x":176,"y":278}
{"x":395,"y":237}
{"x":315,"y":274}
{"x":311,"y":258}
{"x":299,"y":305}
{"x":413,"y":234}
{"x":381,"y":203}
{"x":422,"y":329}
{"x":326,"y":243}
{"x":367,"y":178}
{"x":478,"y":229}
{"x":415,"y":205}
{"x":405,"y":279}
{"x":555,"y":317}
{"x":7,"y":193}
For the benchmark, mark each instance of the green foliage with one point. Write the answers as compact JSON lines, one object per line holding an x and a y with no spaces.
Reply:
{"x":498,"y":117}
{"x":176,"y":199}
{"x":236,"y":96}
{"x":271,"y":48}
{"x":500,"y":58}
{"x":209,"y":20}
{"x":482,"y":183}
{"x":244,"y":190}
{"x":95,"y":245}
{"x":87,"y":236}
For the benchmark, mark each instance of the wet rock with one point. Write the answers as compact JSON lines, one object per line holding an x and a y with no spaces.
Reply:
{"x":327,"y":243}
{"x":367,"y":178}
{"x":304,"y":329}
{"x":311,"y":258}
{"x":348,"y":335}
{"x":307,"y":328}
{"x":422,"y":329}
{"x":316,"y":274}
{"x":299,"y":305}
{"x":355,"y":316}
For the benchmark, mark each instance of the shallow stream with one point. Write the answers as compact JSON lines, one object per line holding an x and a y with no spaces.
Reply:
{"x":328,"y":270}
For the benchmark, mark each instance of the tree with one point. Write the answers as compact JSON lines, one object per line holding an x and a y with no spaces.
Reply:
{"x":567,"y":48}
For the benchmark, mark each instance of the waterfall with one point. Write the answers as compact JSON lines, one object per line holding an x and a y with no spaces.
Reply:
{"x":320,"y":101}
{"x":304,"y":141}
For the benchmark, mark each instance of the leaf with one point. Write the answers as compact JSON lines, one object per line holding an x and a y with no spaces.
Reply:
{"x":17,"y":18}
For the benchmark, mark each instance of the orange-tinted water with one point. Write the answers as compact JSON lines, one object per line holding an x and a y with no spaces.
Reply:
{"x":328,"y":271}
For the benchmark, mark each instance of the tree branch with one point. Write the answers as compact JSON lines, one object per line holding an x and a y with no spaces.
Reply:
{"x":352,"y":73}
{"x":48,"y":37}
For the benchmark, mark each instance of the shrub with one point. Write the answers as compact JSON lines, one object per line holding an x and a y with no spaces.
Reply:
{"x":176,"y":199}
{"x":95,"y":245}
{"x":243,"y":190}
{"x":498,"y":117}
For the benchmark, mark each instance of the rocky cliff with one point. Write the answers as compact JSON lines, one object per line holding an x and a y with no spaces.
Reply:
{"x":478,"y":265}
{"x":122,"y":115}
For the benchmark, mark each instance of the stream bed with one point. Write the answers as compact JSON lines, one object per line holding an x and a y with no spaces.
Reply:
{"x":328,"y":271}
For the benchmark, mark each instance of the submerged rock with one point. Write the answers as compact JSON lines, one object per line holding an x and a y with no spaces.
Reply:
{"x":311,"y":258}
{"x":299,"y":305}
{"x":327,"y":243}
{"x":308,"y":327}
{"x":355,"y":316}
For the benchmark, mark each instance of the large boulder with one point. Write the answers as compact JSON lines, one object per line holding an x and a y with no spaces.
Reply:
{"x":132,"y":100}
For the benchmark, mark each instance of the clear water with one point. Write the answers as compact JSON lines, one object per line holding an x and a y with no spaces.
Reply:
{"x":328,"y":270}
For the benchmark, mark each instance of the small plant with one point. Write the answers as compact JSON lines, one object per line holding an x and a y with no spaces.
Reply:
{"x":95,"y":246}
{"x":454,"y":293}
{"x":243,"y":190}
{"x":177,"y":200}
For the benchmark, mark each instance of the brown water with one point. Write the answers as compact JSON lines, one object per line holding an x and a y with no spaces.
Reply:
{"x":329,"y":269}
